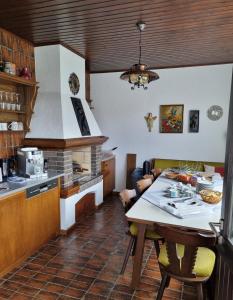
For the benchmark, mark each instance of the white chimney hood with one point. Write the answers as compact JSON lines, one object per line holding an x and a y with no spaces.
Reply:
{"x":54,"y":116}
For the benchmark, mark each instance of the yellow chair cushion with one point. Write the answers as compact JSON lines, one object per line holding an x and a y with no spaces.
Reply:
{"x":204,"y":264}
{"x":150,"y":234}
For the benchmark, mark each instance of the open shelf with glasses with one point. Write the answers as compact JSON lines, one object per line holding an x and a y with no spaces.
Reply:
{"x":17,"y":101}
{"x":20,"y":93}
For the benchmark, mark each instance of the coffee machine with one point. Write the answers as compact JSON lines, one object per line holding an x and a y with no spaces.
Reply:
{"x":30,"y":162}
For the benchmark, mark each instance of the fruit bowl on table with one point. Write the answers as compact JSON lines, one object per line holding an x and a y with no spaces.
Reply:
{"x":185,"y":178}
{"x":210,"y":196}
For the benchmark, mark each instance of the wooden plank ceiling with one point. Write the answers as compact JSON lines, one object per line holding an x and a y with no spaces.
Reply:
{"x":178,"y":32}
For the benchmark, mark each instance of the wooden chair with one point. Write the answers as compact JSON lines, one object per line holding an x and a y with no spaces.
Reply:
{"x":184,"y":256}
{"x":143,"y":184}
{"x":146,"y":176}
{"x":127,"y":197}
{"x":156,"y":172}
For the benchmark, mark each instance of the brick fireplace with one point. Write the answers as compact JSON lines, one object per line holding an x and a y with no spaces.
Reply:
{"x":80,"y":161}
{"x":66,"y":161}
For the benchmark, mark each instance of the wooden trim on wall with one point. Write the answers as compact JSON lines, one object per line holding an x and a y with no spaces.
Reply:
{"x":65,"y":143}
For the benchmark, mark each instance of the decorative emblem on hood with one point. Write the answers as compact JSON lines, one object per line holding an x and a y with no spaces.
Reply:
{"x":74,"y":83}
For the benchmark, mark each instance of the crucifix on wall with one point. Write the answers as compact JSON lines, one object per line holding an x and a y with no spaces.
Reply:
{"x":150,"y":121}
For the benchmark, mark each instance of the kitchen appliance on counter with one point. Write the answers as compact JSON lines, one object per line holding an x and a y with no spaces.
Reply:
{"x":30,"y":162}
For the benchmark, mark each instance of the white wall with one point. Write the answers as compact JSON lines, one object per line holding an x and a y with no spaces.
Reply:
{"x":54,"y":115}
{"x":47,"y":111}
{"x":120,"y":114}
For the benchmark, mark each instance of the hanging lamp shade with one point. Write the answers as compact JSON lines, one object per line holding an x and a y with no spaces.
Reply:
{"x":139,"y":75}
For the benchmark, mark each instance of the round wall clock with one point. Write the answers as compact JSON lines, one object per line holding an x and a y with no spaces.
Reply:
{"x":74,"y":83}
{"x":215,"y":112}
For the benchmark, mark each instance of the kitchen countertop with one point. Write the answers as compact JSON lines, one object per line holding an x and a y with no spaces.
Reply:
{"x":29,"y":183}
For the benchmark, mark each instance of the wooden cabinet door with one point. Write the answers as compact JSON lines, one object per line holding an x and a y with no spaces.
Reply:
{"x":12,"y":226}
{"x":34,"y":219}
{"x":85,"y":206}
{"x":51,"y":212}
{"x":42,"y":218}
{"x":108,"y":171}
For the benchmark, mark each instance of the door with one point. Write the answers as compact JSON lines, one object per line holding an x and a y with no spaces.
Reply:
{"x":224,"y":270}
{"x":108,"y":171}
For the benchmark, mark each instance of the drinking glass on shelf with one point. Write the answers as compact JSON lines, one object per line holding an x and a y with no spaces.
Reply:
{"x":13,"y":104}
{"x":18,"y":105}
{"x":8,"y":100}
{"x":2,"y":103}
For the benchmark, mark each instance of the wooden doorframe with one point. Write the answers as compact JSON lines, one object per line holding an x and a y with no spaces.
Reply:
{"x":227,"y":203}
{"x":224,"y":265}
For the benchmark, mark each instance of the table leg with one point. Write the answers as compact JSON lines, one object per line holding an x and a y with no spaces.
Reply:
{"x":137,"y":261}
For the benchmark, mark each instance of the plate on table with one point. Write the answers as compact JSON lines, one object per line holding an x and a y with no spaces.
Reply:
{"x":178,"y":198}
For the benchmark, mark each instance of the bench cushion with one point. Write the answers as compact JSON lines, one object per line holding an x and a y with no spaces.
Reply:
{"x":170,"y":163}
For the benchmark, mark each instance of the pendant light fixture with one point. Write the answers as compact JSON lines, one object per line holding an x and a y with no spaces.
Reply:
{"x":138,"y":74}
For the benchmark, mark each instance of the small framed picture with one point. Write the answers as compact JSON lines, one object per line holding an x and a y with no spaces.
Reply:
{"x":194,"y":121}
{"x":171,"y":118}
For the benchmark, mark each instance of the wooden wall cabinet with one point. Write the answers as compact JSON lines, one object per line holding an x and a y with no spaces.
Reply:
{"x":108,"y":171}
{"x":26,"y":224}
{"x":20,"y":52}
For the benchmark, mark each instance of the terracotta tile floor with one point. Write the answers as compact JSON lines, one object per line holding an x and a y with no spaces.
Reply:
{"x":86,"y":264}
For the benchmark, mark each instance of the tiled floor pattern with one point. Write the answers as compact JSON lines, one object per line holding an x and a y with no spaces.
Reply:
{"x":86,"y":263}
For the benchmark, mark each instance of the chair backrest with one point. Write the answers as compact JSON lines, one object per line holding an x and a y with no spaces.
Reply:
{"x":191,"y":240}
{"x":148,"y":176}
{"x":156,"y":172}
{"x":126,"y":197}
{"x":143,"y":184}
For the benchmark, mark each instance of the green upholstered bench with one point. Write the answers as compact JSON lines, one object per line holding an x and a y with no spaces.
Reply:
{"x":172,"y":163}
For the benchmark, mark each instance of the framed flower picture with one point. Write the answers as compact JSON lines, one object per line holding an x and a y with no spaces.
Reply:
{"x":171,"y":118}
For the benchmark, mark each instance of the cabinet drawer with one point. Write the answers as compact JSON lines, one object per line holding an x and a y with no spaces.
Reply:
{"x":40,"y":188}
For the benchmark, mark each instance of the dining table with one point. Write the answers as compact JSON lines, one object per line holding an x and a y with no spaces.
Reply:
{"x":145,"y":212}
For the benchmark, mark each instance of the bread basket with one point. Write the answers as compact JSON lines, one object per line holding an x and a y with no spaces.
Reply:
{"x":171,"y":175}
{"x":210,"y":196}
